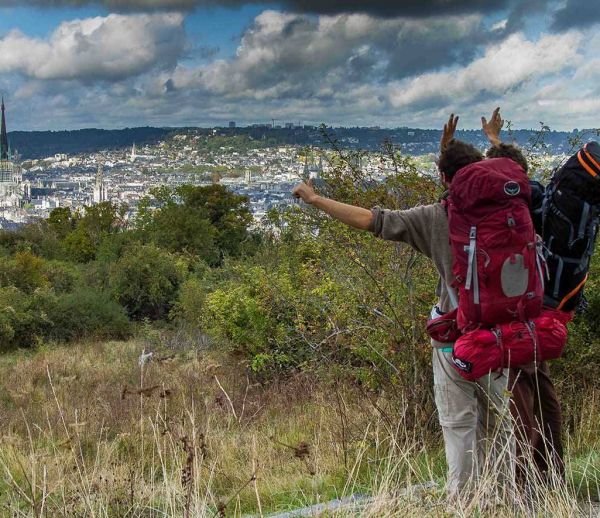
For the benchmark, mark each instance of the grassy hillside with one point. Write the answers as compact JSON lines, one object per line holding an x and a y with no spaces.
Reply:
{"x":86,"y":431}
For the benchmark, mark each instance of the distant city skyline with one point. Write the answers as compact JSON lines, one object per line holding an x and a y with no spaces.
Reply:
{"x":128,"y":63}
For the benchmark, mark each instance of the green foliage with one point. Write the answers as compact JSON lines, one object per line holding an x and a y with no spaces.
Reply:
{"x":205,"y":221}
{"x":35,"y":237}
{"x":24,"y":271}
{"x":79,"y":246}
{"x":62,"y":221}
{"x":62,"y":276}
{"x":23,"y":320}
{"x":232,"y":143}
{"x":318,"y":295}
{"x":189,"y":306}
{"x":145,"y":281}
{"x":86,"y":313}
{"x":81,"y":235}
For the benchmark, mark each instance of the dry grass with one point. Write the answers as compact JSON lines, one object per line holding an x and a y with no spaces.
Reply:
{"x":86,"y":431}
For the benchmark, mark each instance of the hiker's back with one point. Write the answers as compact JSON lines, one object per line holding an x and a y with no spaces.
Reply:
{"x":496,"y":264}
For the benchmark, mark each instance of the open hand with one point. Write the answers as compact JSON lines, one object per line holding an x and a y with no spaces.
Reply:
{"x":305,"y":191}
{"x":493,"y":127}
{"x":448,"y":133}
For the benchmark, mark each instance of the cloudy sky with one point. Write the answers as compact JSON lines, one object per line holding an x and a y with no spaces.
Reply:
{"x":114,"y":63}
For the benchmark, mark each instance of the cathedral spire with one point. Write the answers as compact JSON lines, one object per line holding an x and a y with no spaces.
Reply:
{"x":3,"y":136}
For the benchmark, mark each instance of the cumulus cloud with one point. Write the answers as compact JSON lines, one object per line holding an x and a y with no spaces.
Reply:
{"x":348,"y":69}
{"x":290,"y":55}
{"x":504,"y":67}
{"x":106,"y":48}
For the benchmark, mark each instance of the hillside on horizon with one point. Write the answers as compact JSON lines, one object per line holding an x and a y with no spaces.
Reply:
{"x":41,"y":144}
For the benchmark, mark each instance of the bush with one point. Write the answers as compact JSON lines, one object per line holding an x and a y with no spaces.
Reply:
{"x":62,"y":276}
{"x":23,"y":270}
{"x":23,"y":320}
{"x":86,"y":313}
{"x":190,"y":303}
{"x":145,"y":281}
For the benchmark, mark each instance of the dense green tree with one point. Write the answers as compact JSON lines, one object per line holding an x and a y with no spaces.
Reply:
{"x":79,"y":246}
{"x":179,"y":228}
{"x":62,"y":221}
{"x":210,"y":222}
{"x":226,"y":211}
{"x":145,"y":281}
{"x":82,"y":235}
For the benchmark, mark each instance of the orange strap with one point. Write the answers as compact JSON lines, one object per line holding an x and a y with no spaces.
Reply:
{"x":585,"y":166}
{"x":572,"y":293}
{"x":590,"y":157}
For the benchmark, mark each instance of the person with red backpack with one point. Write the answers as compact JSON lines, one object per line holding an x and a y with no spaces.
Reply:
{"x":474,"y":415}
{"x":528,"y":335}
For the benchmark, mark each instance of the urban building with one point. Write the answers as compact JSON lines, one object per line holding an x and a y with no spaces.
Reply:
{"x":100,"y":189}
{"x":11,"y":178}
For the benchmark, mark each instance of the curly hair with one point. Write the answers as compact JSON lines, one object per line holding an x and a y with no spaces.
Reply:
{"x":457,"y":155}
{"x":508,"y":151}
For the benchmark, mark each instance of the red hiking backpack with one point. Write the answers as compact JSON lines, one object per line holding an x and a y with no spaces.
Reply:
{"x":512,"y":344}
{"x":497,"y":268}
{"x":499,"y":275}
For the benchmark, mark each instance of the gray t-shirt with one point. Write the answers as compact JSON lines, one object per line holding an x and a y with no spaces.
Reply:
{"x":425,"y":228}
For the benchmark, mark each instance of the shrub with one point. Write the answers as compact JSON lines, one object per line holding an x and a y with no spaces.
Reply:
{"x":62,"y":276}
{"x":23,"y":320}
{"x":191,"y":299}
{"x":23,"y":270}
{"x":86,"y":312}
{"x":145,"y":281}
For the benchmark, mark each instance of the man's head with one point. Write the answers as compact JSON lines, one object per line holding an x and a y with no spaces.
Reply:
{"x":455,"y":156}
{"x":508,"y":151}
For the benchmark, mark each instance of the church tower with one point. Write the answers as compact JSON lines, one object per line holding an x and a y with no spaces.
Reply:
{"x":100,"y":190}
{"x":3,"y":136}
{"x":11,"y":192}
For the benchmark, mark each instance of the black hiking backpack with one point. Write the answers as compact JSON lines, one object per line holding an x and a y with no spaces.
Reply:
{"x":566,"y":215}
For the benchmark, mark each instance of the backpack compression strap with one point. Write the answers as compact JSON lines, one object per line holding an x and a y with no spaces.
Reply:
{"x":588,"y":163}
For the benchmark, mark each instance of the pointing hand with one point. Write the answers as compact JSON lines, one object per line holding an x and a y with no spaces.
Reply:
{"x":305,"y":191}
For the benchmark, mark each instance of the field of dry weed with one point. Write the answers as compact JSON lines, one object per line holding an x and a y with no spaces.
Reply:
{"x":88,"y":430}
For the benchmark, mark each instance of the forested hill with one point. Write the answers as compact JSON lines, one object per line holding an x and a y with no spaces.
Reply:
{"x":40,"y":144}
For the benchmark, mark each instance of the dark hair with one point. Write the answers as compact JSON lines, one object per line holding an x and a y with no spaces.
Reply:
{"x":457,"y":155}
{"x":508,"y":151}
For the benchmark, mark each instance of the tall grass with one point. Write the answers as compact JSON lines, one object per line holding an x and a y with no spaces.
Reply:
{"x":87,"y":431}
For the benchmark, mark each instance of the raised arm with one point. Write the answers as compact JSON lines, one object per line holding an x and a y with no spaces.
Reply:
{"x":351,"y":215}
{"x":493,"y":127}
{"x":448,"y":131}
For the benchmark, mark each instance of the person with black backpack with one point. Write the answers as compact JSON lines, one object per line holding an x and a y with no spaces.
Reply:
{"x":474,"y":416}
{"x":566,"y":214}
{"x":535,"y":404}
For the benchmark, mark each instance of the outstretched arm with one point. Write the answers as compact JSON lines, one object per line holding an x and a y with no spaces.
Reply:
{"x":493,"y":127}
{"x":351,"y":215}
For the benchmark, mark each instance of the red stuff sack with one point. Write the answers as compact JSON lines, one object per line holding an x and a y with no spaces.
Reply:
{"x":443,"y":328}
{"x":496,"y":263}
{"x":508,"y":345}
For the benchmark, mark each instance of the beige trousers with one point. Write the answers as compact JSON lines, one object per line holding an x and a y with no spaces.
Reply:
{"x":477,"y":428}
